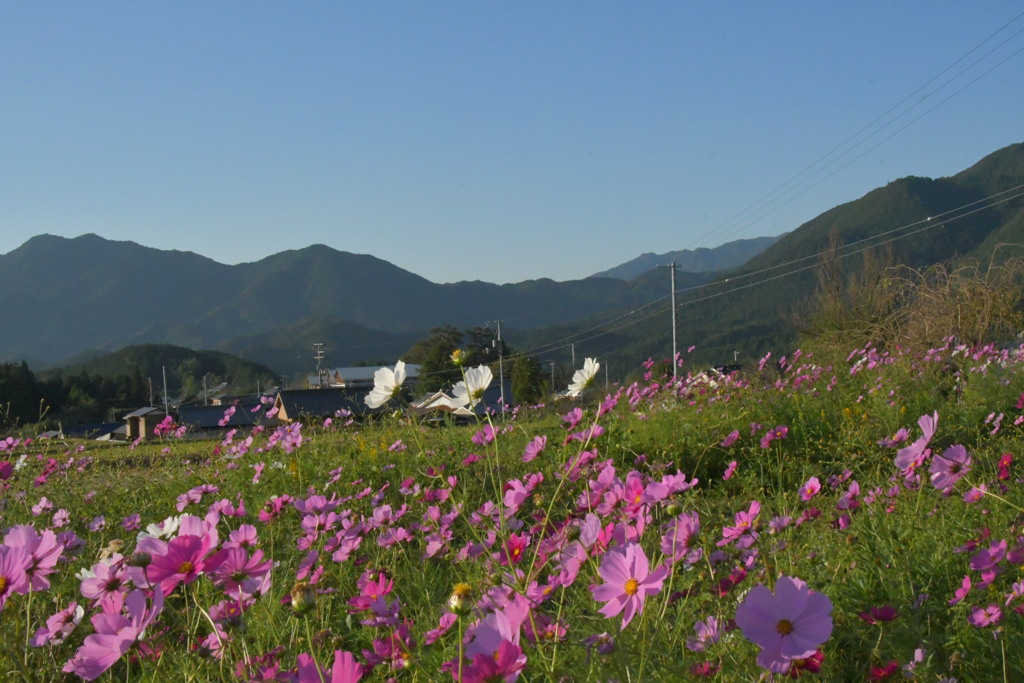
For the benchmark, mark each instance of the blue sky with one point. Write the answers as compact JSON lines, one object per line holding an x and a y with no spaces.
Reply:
{"x":491,"y":141}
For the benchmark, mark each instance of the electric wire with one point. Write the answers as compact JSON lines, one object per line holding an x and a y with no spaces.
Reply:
{"x":770,"y":197}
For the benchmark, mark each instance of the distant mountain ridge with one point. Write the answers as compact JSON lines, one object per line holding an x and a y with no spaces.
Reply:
{"x":65,"y":296}
{"x":701,"y":260}
{"x":764,"y":305}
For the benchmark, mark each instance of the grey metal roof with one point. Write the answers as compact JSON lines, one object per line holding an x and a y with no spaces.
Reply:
{"x":321,"y":402}
{"x":143,"y":411}
{"x":208,"y":417}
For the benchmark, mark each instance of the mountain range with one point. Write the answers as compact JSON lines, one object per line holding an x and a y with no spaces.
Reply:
{"x":63,"y":297}
{"x":703,"y":260}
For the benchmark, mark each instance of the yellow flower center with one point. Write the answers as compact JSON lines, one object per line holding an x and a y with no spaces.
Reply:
{"x":632,"y":586}
{"x":3,"y":584}
{"x":186,"y":567}
{"x":785,"y":627}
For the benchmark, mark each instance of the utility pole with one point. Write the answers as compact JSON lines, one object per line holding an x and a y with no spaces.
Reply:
{"x":501,"y":368}
{"x":573,"y":347}
{"x":206,"y":393}
{"x":675,"y":363}
{"x":552,"y":363}
{"x":735,"y":356}
{"x":319,"y":348}
{"x":167,"y":410}
{"x":150,"y":380}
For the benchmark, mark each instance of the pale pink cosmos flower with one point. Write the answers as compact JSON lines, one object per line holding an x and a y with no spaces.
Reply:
{"x":948,"y":468}
{"x":680,"y":538}
{"x":985,"y":616}
{"x":115,"y":634}
{"x":916,"y":453}
{"x":43,"y":551}
{"x":788,"y":625}
{"x":628,"y":582}
{"x":708,"y":633}
{"x":13,"y":563}
{"x":59,"y":626}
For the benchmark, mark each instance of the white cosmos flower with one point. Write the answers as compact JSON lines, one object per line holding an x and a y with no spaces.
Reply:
{"x":471,"y":390}
{"x":584,"y":378}
{"x":386,"y":385}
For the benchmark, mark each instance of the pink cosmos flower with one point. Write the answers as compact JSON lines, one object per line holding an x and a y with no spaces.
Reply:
{"x":500,"y":626}
{"x":680,"y":538}
{"x":59,"y":626}
{"x":42,"y":550}
{"x":344,"y":670}
{"x":484,"y":436}
{"x":743,"y":532}
{"x":708,"y":633}
{"x":13,"y":563}
{"x":810,"y":489}
{"x":534,"y":448}
{"x":961,"y":592}
{"x":108,"y":582}
{"x":734,"y":435}
{"x":788,"y":625}
{"x":975,"y":493}
{"x":240,"y":575}
{"x":948,"y":468}
{"x":730,"y":470}
{"x":628,"y":582}
{"x":916,"y":453}
{"x":504,"y":665}
{"x":513,"y":549}
{"x":114,"y":636}
{"x":985,"y":616}
{"x":186,"y":558}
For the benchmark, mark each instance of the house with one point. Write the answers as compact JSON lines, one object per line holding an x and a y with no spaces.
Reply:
{"x":356,"y":377}
{"x":209,"y":418}
{"x":140,"y":423}
{"x":439,"y":402}
{"x":293,"y":404}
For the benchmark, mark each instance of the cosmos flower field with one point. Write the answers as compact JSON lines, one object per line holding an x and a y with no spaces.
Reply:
{"x":852,"y":518}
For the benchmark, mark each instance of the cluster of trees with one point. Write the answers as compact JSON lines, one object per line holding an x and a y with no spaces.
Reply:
{"x":480,"y":346}
{"x":103,"y":388}
{"x":75,"y":398}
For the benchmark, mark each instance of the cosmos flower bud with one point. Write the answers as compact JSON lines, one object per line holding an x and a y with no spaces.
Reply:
{"x":458,"y":357}
{"x":140,"y":560}
{"x":303,"y":597}
{"x":460,"y":601}
{"x":674,"y":509}
{"x":572,"y":533}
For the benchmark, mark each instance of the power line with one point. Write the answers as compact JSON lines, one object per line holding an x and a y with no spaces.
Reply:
{"x":927,"y":223}
{"x":763,"y":204}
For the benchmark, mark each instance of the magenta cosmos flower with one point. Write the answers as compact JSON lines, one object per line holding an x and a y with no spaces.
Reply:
{"x":628,"y":582}
{"x":788,"y":625}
